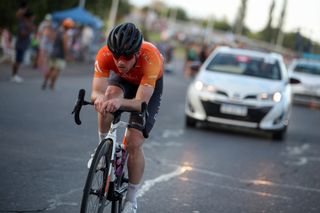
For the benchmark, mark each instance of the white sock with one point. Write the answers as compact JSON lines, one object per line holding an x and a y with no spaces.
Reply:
{"x":102,"y":136}
{"x":131,"y":194}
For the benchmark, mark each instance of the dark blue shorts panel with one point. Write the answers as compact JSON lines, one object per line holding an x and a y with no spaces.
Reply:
{"x":20,"y":55}
{"x":130,"y":91}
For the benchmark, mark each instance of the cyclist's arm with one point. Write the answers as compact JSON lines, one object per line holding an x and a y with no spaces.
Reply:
{"x":143,"y":94}
{"x":99,"y":86}
{"x":101,"y":73}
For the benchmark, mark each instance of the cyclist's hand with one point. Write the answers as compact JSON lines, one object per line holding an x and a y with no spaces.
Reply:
{"x":98,"y":103}
{"x":112,"y":105}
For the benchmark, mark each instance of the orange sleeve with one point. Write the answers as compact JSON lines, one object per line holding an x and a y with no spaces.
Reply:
{"x":100,"y":66}
{"x":153,"y":70}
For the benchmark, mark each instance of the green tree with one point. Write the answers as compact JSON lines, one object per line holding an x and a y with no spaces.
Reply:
{"x":99,"y":8}
{"x":222,"y":25}
{"x":8,"y":10}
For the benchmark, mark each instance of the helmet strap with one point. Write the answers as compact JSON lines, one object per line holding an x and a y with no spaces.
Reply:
{"x":136,"y":59}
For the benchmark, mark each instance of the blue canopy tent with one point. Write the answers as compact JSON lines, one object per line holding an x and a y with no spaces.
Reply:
{"x":79,"y":15}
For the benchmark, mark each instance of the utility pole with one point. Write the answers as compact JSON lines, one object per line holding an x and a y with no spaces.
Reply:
{"x":208,"y":30}
{"x":112,"y":15}
{"x":280,"y":35}
{"x":172,"y":18}
{"x":268,"y":28}
{"x":240,"y":17}
{"x":82,"y":3}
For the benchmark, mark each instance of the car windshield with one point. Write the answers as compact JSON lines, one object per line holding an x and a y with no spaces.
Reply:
{"x":245,"y":65}
{"x":310,"y":68}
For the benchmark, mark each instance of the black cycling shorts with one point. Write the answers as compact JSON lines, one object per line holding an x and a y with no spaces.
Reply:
{"x":130,"y":91}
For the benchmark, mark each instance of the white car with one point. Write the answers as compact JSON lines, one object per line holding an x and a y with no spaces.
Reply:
{"x":308,"y":72}
{"x":242,"y":88}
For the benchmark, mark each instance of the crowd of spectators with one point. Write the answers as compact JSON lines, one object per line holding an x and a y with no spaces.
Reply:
{"x":33,"y":44}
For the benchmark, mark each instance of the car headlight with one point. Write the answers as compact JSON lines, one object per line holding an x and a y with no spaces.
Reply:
{"x":200,"y":86}
{"x":275,"y":97}
{"x":211,"y":88}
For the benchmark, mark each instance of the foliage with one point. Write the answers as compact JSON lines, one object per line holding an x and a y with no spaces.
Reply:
{"x":100,"y":8}
{"x":268,"y":34}
{"x":222,"y":25}
{"x":8,"y":10}
{"x":181,"y":14}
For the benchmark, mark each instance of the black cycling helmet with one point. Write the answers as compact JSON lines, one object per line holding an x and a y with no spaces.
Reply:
{"x":125,"y":39}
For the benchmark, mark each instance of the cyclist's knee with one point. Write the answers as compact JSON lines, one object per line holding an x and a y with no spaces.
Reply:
{"x":134,"y":140}
{"x":113,"y":92}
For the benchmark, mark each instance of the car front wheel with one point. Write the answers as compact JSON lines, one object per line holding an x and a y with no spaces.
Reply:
{"x":190,"y":122}
{"x":279,"y":135}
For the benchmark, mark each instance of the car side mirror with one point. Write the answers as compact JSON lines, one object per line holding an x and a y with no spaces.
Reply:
{"x":294,"y":81}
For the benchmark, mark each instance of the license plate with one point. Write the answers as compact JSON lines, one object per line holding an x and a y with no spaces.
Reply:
{"x":233,"y":109}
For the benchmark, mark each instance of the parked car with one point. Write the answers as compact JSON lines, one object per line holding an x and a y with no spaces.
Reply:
{"x":242,"y":88}
{"x":308,"y":72}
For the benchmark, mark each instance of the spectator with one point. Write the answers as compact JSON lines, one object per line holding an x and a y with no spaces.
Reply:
{"x":85,"y":42}
{"x":191,"y":57}
{"x":203,"y":53}
{"x":59,"y":55}
{"x":34,"y":50}
{"x":22,"y":9}
{"x":45,"y":37}
{"x":25,"y":29}
{"x":6,"y":46}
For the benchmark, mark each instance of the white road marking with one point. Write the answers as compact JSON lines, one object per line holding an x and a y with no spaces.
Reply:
{"x":297,"y":150}
{"x":301,"y":161}
{"x":297,"y":155}
{"x":264,"y":194}
{"x":172,"y":133}
{"x":258,"y":182}
{"x":291,"y":152}
{"x":57,"y":200}
{"x":148,"y":184}
{"x":162,"y":178}
{"x":246,"y":181}
{"x":151,"y":144}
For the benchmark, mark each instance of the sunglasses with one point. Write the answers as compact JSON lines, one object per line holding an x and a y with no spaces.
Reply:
{"x":125,"y":57}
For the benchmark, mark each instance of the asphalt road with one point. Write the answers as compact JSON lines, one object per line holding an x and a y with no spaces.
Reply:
{"x":43,"y":155}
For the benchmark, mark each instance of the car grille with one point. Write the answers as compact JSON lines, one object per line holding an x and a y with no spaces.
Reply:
{"x":255,"y":114}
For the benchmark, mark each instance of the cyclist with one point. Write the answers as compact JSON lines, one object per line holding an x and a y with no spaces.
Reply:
{"x":134,"y":70}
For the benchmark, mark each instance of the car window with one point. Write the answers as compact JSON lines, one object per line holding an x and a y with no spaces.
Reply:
{"x":310,"y":68}
{"x":245,"y":65}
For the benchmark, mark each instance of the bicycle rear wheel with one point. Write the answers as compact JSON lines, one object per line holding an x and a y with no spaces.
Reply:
{"x":94,"y":199}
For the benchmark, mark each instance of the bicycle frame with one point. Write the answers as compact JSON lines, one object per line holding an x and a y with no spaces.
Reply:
{"x":112,"y":136}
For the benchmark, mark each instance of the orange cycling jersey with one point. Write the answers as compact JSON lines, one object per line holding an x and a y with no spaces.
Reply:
{"x":147,"y":70}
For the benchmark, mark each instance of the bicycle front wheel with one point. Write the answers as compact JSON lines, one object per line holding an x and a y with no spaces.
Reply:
{"x":94,"y":199}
